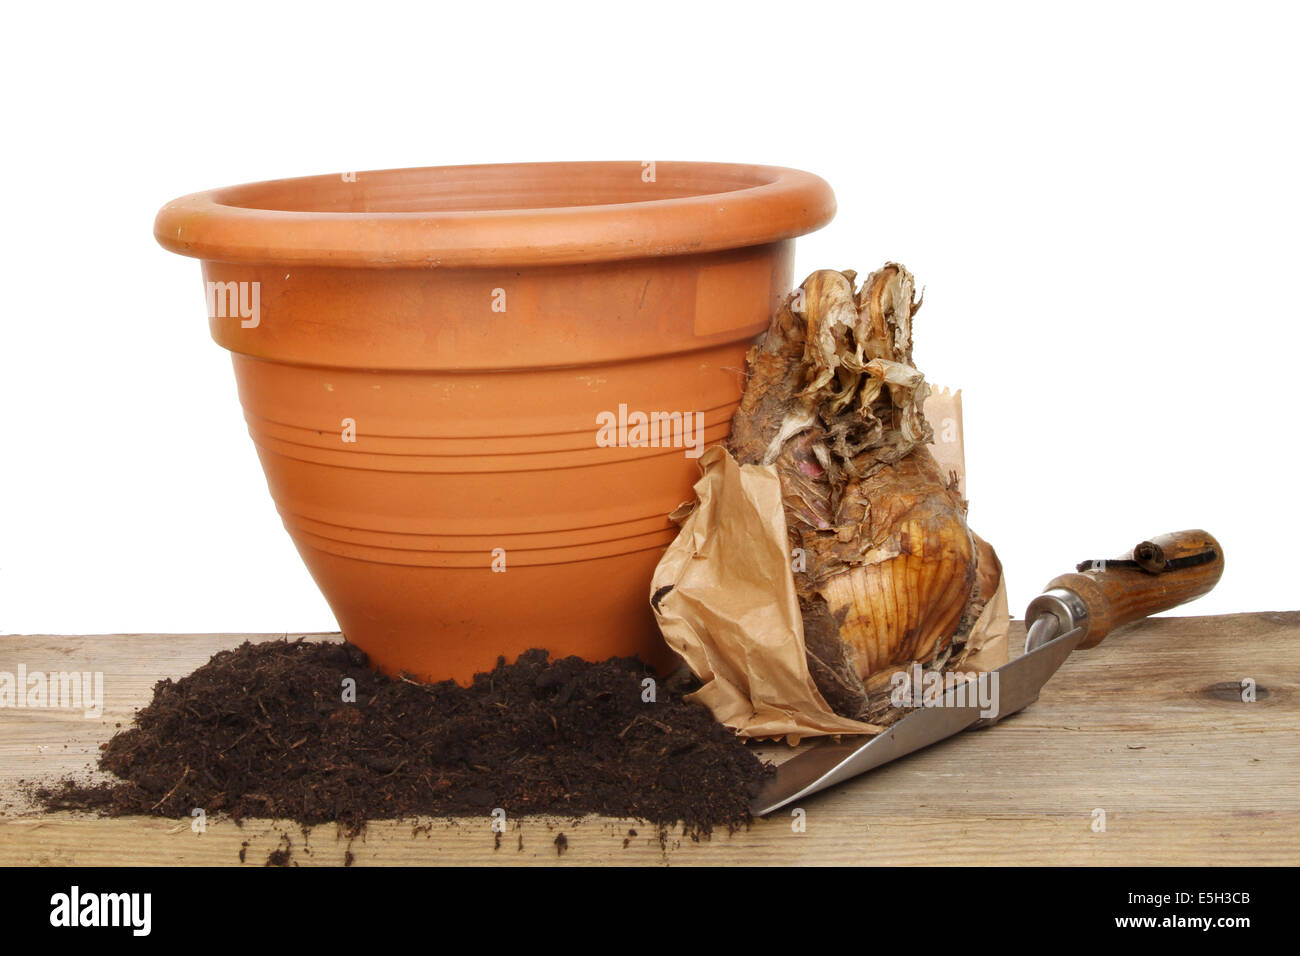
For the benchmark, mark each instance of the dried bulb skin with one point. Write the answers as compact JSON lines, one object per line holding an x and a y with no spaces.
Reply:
{"x":890,"y":572}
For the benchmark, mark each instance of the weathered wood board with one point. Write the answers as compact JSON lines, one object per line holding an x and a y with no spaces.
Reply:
{"x":1149,"y":728}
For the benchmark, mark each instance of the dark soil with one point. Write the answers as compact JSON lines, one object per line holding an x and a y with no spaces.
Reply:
{"x":264,"y":731}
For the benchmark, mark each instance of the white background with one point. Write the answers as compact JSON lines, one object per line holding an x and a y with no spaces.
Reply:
{"x":1101,"y":203}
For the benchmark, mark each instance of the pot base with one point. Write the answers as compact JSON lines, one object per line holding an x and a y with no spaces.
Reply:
{"x":430,"y":623}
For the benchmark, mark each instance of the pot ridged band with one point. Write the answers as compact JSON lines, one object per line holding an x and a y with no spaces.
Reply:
{"x":559,"y":495}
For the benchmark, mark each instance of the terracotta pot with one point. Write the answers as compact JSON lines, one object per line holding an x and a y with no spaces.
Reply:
{"x":426,"y":357}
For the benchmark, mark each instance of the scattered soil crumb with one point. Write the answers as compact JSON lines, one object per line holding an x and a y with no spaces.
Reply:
{"x":281,"y":855}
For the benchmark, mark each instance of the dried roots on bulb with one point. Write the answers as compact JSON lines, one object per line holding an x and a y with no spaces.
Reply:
{"x":886,"y":570}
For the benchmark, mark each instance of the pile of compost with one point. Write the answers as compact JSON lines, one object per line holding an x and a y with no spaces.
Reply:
{"x":273,"y":730}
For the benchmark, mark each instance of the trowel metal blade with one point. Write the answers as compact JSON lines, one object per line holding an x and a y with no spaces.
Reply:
{"x":1011,"y":687}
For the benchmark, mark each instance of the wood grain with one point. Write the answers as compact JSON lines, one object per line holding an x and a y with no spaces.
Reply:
{"x":1149,"y":728}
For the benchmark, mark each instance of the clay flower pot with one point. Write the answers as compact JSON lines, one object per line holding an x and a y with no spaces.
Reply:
{"x":452,"y":377}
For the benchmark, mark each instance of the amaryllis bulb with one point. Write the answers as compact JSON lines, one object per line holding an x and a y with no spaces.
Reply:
{"x":890,"y":572}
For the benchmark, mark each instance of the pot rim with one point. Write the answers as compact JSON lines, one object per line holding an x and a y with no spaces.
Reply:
{"x":692,"y":208}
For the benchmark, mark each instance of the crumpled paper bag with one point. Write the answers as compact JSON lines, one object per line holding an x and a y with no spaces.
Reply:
{"x":724,"y":597}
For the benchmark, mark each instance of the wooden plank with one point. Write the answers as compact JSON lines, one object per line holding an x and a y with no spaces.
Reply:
{"x":1149,"y":728}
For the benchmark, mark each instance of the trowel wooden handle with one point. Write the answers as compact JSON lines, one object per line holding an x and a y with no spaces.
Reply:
{"x":1156,"y":575}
